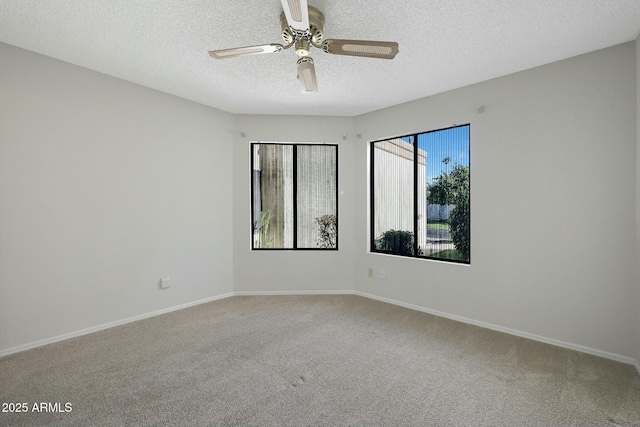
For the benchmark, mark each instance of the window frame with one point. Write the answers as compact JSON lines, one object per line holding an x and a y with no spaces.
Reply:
{"x":294,"y":193}
{"x":372,"y":200}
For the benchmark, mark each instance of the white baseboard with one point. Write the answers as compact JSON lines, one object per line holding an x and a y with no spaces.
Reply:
{"x":104,"y":326}
{"x":570,"y":346}
{"x":498,"y":328}
{"x":334,"y":292}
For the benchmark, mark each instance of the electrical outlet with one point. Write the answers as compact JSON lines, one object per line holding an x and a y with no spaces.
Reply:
{"x":383,"y":274}
{"x":165,"y":282}
{"x":370,"y":272}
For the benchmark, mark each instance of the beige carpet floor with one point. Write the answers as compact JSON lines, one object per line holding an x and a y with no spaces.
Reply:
{"x":313,"y":360}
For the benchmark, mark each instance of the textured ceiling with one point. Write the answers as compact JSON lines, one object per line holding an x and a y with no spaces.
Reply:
{"x":163,"y":44}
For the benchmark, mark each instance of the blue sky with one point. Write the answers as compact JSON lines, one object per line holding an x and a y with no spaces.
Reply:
{"x":453,"y":143}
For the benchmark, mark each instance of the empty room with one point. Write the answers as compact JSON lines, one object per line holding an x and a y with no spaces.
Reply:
{"x":319,"y":213}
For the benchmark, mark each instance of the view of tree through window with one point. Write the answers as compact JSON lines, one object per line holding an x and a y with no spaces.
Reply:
{"x":420,"y":195}
{"x":294,"y":198}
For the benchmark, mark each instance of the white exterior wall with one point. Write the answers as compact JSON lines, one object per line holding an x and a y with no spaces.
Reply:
{"x":398,"y":191}
{"x":439,"y":212}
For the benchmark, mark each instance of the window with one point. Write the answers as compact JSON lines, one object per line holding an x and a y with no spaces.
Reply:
{"x":294,"y":197}
{"x":420,"y":195}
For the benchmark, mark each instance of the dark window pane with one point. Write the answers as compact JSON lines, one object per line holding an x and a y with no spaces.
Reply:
{"x":316,"y":189}
{"x":447,"y":215}
{"x":273,"y":196}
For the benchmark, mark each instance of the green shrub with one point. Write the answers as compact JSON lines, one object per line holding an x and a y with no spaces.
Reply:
{"x":264,"y":239}
{"x":399,"y":241}
{"x":459,"y":225}
{"x":327,"y":231}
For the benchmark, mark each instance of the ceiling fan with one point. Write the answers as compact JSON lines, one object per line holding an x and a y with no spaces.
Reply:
{"x":302,"y":26}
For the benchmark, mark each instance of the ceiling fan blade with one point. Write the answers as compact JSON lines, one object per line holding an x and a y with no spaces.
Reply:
{"x":307,"y":75}
{"x":297,"y":13}
{"x":364,"y":48}
{"x":248,"y":50}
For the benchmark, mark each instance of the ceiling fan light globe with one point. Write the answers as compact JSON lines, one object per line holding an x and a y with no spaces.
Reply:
{"x":302,"y":47}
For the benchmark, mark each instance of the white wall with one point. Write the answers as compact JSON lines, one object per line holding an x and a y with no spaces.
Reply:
{"x":553,"y":203}
{"x":637,"y":260}
{"x":274,"y":271}
{"x":105,"y":187}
